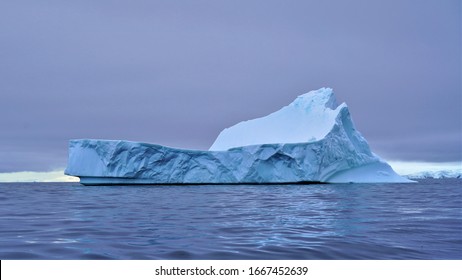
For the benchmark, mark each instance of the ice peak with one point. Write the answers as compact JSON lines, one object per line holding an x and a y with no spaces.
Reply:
{"x":323,"y":97}
{"x":308,"y":118}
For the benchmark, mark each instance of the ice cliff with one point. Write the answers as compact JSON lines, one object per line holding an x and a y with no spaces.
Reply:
{"x":311,"y":140}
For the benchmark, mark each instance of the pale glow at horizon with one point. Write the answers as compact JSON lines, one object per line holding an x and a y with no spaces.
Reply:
{"x":411,"y":167}
{"x":401,"y":167}
{"x":29,"y":176}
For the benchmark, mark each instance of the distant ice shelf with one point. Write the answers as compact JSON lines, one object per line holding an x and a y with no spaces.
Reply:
{"x":439,"y":174}
{"x":311,"y":140}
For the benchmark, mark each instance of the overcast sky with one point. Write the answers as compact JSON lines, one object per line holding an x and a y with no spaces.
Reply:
{"x":177,"y":72}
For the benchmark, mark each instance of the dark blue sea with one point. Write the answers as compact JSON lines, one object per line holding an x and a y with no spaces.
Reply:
{"x":344,"y":221}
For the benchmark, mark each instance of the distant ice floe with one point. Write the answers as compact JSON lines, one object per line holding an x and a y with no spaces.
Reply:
{"x":30,"y":176}
{"x":441,"y":174}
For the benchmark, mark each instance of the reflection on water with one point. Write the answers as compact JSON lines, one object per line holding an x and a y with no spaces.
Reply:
{"x":351,"y":221}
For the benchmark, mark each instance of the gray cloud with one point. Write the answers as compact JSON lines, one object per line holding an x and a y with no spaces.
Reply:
{"x":178,"y":73}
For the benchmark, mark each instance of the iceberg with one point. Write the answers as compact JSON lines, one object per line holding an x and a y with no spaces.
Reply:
{"x":311,"y":140}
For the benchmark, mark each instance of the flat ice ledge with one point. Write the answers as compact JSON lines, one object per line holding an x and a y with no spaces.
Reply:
{"x":100,"y":162}
{"x":119,"y":162}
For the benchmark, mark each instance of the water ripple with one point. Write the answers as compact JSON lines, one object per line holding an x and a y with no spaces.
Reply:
{"x":351,"y":221}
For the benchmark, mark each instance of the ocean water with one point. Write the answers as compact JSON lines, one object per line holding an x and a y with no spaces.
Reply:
{"x":344,"y":221}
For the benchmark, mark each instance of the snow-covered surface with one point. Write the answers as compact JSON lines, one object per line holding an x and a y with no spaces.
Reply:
{"x":419,"y":170}
{"x":31,"y":176}
{"x":307,"y":119}
{"x":441,"y":174}
{"x":310,"y":140}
